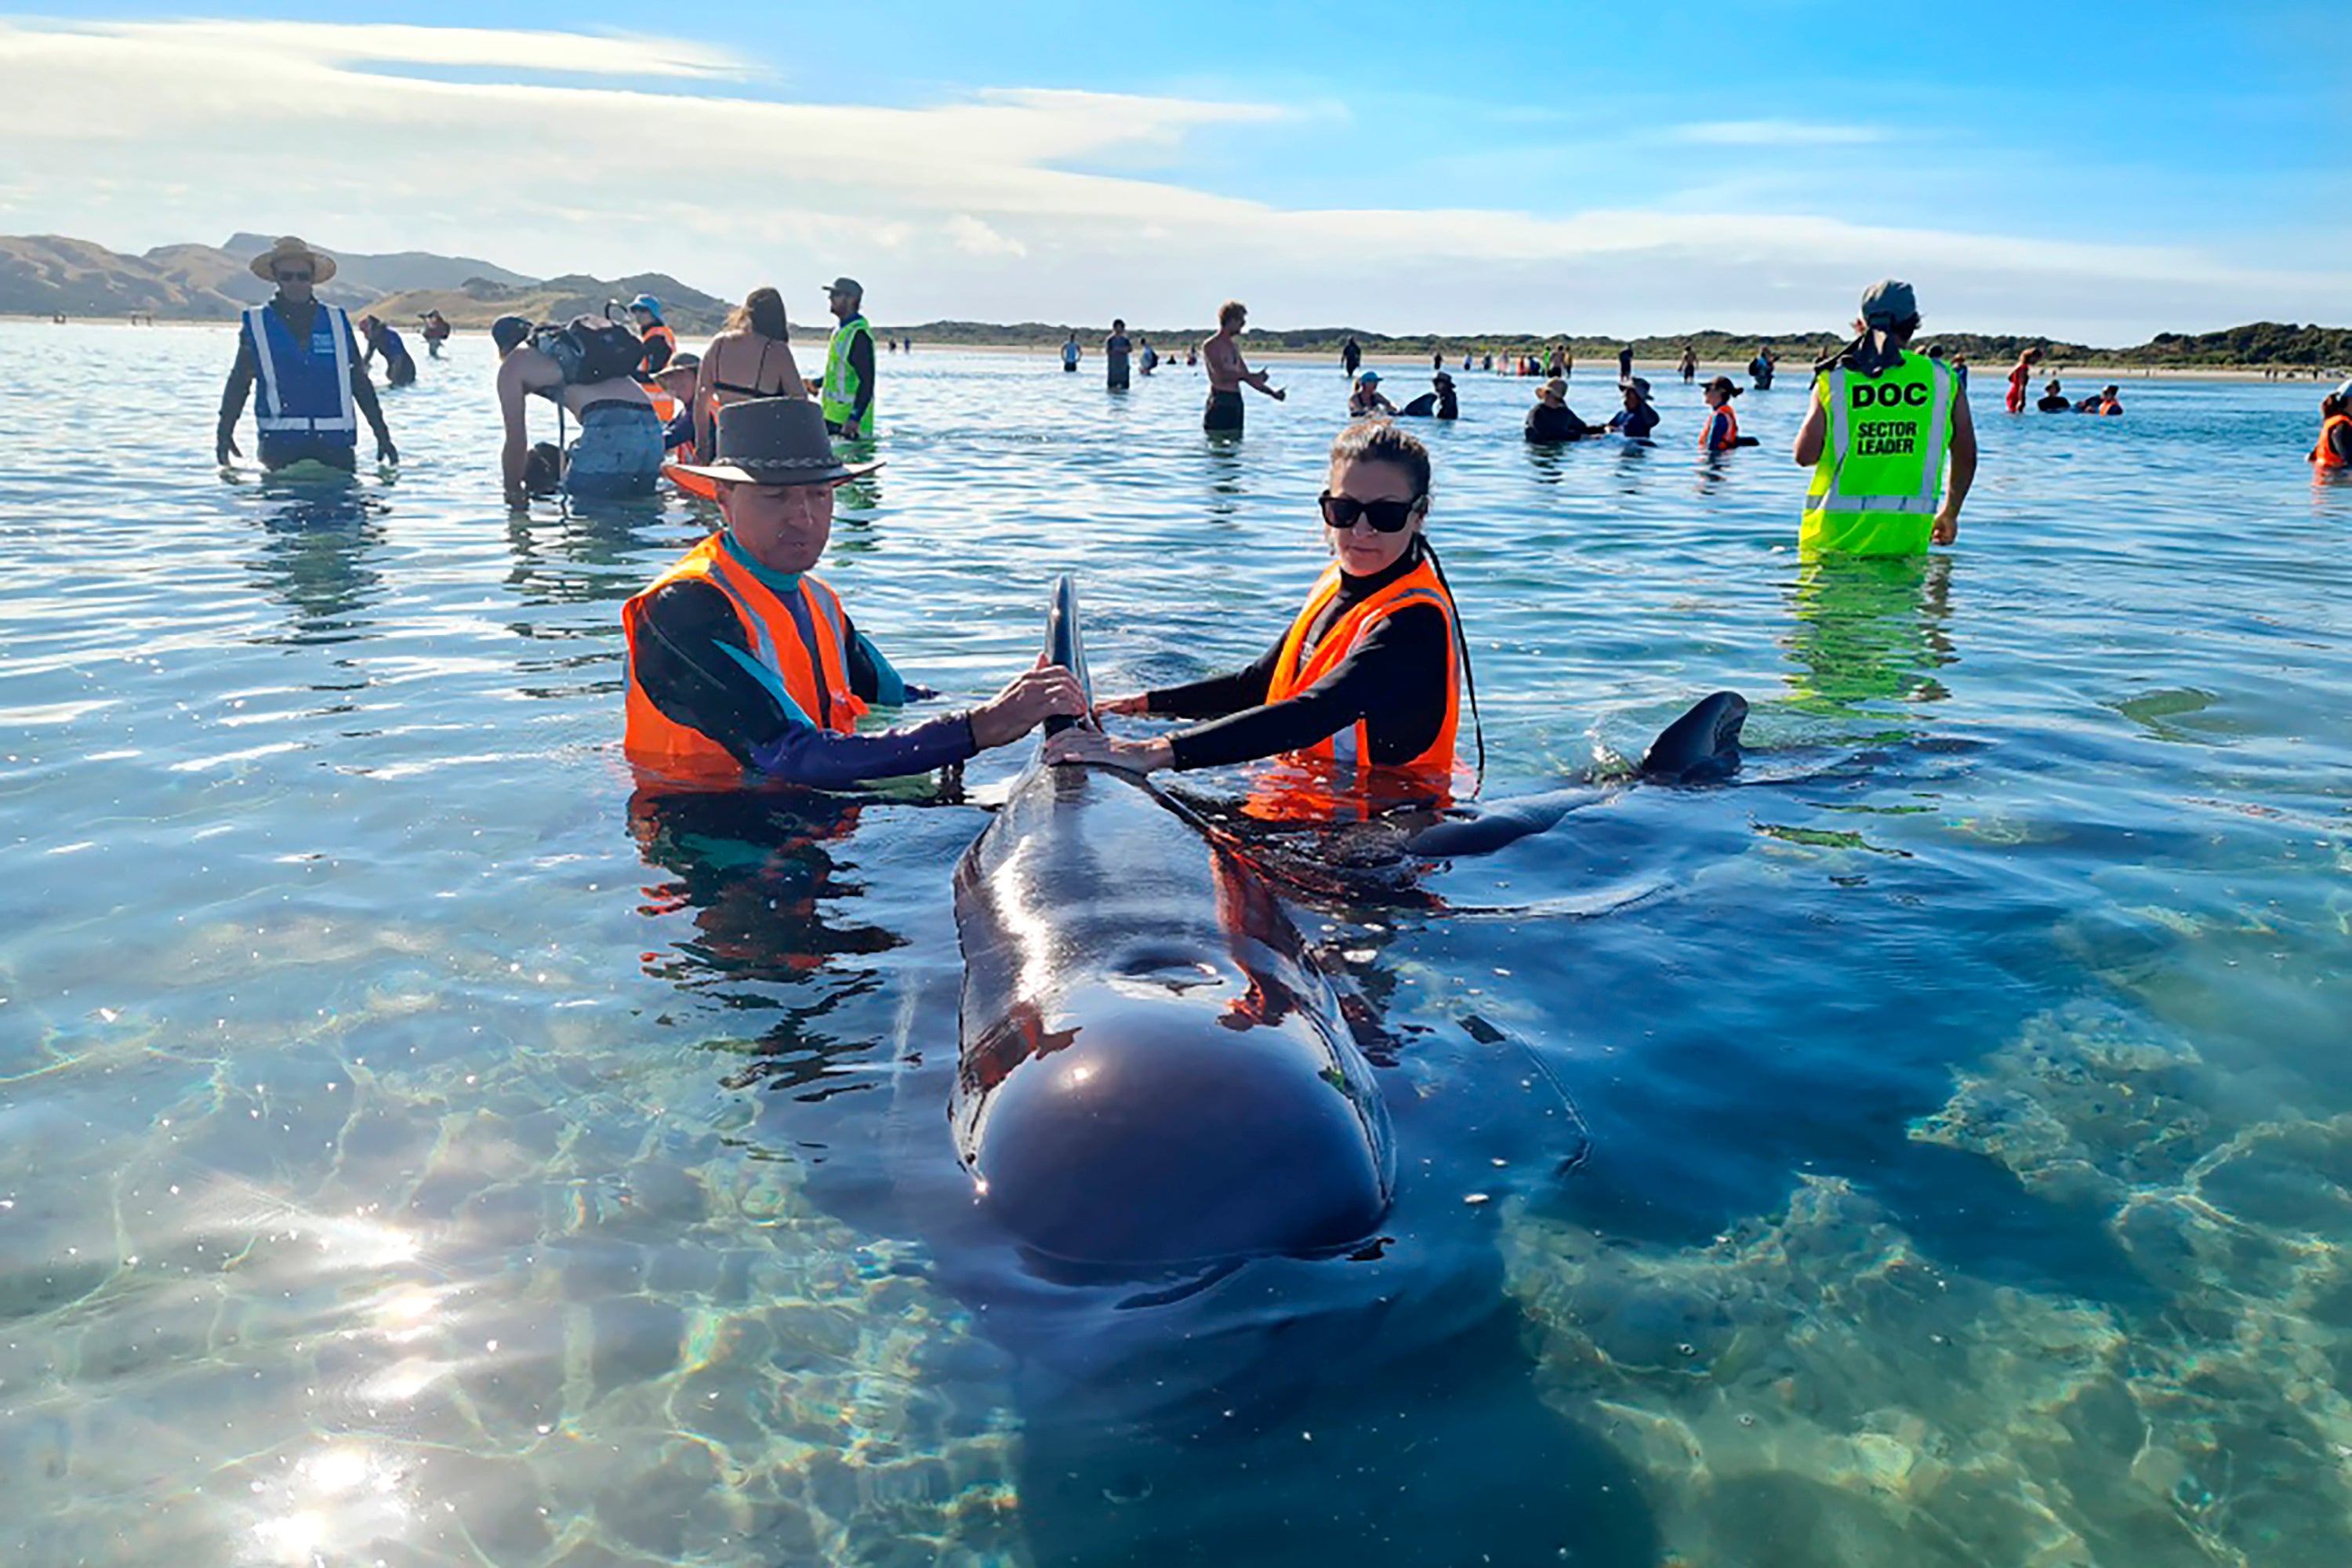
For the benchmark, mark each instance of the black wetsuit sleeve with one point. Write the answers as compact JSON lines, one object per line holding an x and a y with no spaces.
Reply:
{"x":240,"y":382}
{"x":1396,"y":677}
{"x":656,"y":355}
{"x":679,"y":664}
{"x":861,"y":362}
{"x":1218,"y":695}
{"x":2339,"y":440}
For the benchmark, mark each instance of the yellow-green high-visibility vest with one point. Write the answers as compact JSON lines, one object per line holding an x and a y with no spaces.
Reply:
{"x":840,"y":398}
{"x":1881,"y":477}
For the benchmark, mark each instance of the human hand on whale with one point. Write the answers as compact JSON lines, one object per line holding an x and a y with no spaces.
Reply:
{"x":1092,"y":745}
{"x":1040,"y":692}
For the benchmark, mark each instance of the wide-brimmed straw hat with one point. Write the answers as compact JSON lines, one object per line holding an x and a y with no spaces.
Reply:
{"x":289,"y":248}
{"x":776,"y":441}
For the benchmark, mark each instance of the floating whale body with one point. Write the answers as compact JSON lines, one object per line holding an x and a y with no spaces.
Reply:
{"x":1152,"y":1074}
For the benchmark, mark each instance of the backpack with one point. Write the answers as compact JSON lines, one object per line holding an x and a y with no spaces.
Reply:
{"x":589,"y":349}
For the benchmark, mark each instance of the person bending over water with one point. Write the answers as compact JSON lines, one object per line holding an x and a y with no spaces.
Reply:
{"x":1881,"y":425}
{"x":1366,"y":398}
{"x":619,"y":450}
{"x":743,"y":665}
{"x":399,"y":365}
{"x":1552,"y":421}
{"x":751,"y":357}
{"x":1228,"y":371}
{"x":1362,"y":692}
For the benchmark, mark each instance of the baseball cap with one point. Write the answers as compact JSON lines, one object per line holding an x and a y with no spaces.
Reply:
{"x":846,"y":285}
{"x":1886,"y":302}
{"x":1368,"y":378}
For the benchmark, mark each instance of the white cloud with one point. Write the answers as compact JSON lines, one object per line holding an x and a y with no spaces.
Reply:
{"x":976,"y":239}
{"x":993,"y":206}
{"x":1774,"y":133}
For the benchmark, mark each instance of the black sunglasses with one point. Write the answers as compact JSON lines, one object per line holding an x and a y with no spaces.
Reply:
{"x":294,"y":277}
{"x":1385,"y":516}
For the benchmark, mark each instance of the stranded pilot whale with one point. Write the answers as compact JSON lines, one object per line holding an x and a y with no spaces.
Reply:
{"x":1152,"y":1073}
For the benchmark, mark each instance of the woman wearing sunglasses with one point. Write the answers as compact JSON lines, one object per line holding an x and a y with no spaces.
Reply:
{"x":1362,"y":692}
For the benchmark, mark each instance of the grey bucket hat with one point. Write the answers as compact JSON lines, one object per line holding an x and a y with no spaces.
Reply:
{"x":776,"y":441}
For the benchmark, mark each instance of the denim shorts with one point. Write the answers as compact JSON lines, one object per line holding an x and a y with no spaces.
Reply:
{"x":618,"y":452}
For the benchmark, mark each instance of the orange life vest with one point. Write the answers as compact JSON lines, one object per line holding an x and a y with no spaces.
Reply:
{"x":2323,"y":454}
{"x":2108,"y":405}
{"x":1730,"y":433}
{"x":1338,"y":774}
{"x":816,"y":678}
{"x":658,"y":332}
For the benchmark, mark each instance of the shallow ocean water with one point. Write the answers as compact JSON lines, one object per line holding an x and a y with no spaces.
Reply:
{"x":414,"y":1152}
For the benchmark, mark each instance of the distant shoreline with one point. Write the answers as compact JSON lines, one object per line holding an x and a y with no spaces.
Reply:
{"x":1600,"y":370}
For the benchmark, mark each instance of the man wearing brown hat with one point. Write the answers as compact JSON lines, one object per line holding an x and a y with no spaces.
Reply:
{"x":742,"y":662}
{"x":306,"y":361}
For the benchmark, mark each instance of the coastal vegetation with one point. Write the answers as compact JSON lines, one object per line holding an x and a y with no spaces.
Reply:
{"x":48,"y":275}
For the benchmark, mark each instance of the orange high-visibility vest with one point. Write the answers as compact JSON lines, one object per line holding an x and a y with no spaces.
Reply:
{"x":816,"y":678}
{"x":2324,"y":454}
{"x":1730,"y":435}
{"x":1346,"y":757}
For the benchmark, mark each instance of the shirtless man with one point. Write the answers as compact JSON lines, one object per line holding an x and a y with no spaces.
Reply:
{"x":619,"y":448}
{"x":1228,"y":371}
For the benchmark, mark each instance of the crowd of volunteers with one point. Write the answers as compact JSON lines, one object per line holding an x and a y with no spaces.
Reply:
{"x":745,"y":666}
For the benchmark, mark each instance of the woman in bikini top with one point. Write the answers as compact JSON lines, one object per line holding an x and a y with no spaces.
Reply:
{"x":770,"y":371}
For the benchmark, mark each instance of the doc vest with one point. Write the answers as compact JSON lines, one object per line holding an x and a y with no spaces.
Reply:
{"x":802,"y":659}
{"x":1881,"y":475}
{"x":840,"y":384}
{"x":303,"y":385}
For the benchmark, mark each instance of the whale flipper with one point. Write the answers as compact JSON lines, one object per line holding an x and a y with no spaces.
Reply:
{"x":1700,"y":747}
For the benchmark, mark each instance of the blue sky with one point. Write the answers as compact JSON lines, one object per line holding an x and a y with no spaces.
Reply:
{"x":2091,"y":171}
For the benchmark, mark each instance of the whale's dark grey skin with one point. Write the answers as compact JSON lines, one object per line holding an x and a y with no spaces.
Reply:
{"x":1700,"y":747}
{"x":1152,"y":1074}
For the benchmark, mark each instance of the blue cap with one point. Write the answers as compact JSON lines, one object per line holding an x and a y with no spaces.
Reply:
{"x":1368,"y":377}
{"x":646,"y":302}
{"x":508,"y":330}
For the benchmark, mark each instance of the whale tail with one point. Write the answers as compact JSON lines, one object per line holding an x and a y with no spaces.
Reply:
{"x":1065,"y":647}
